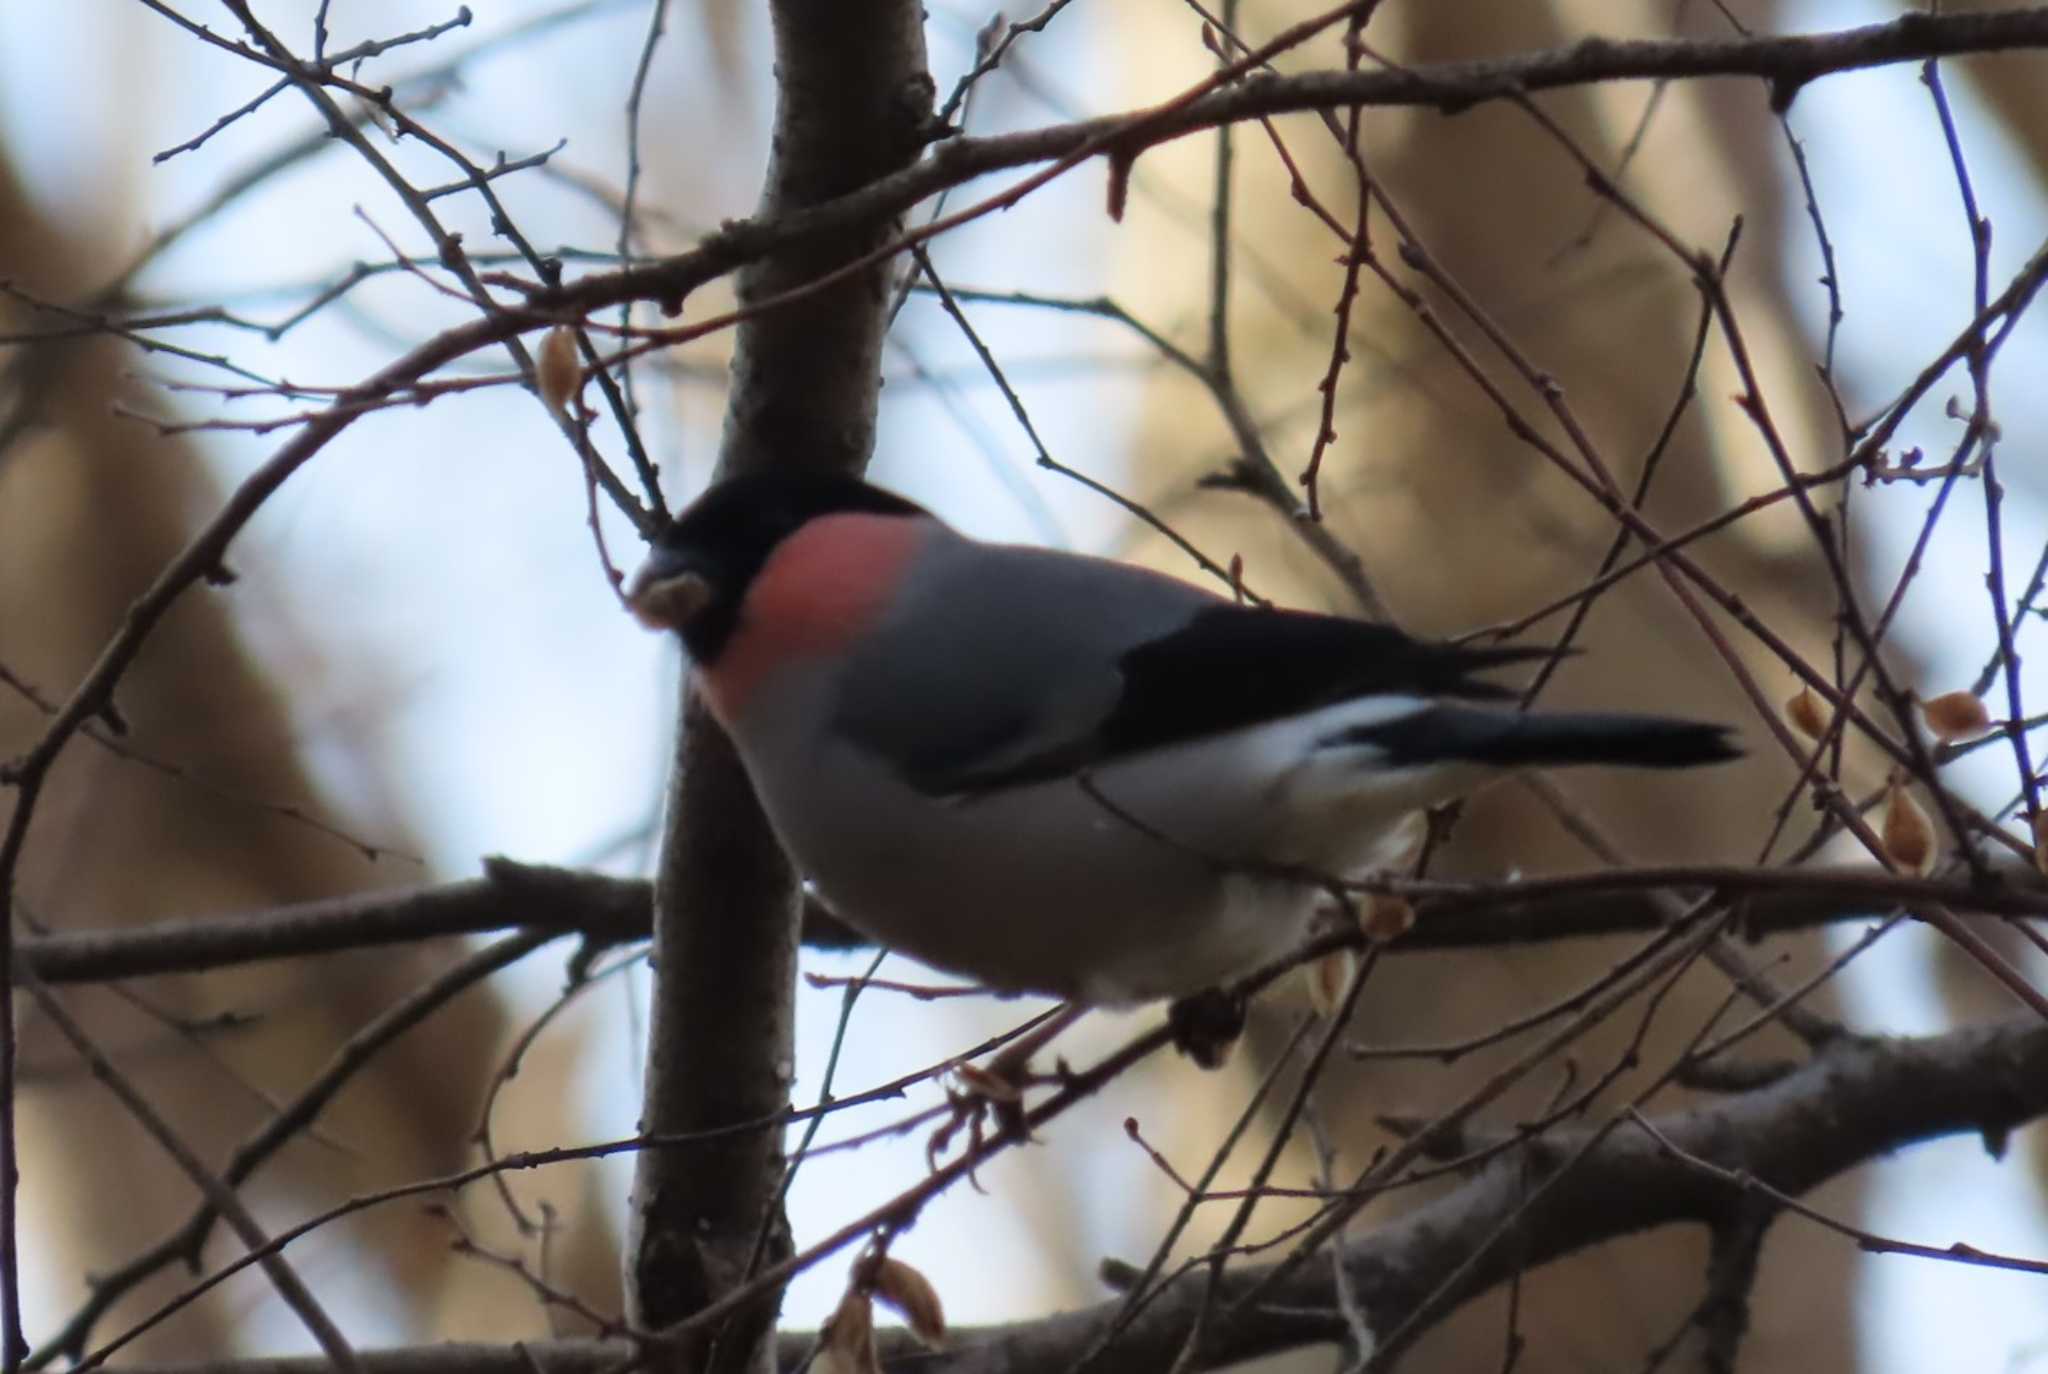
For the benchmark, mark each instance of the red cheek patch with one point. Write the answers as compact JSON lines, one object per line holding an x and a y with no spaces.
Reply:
{"x":820,"y":590}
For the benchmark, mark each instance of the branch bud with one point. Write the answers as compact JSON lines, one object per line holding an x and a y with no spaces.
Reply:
{"x":1805,"y":713}
{"x":846,"y":1345}
{"x":1955,"y":715}
{"x":1329,"y":978}
{"x":1908,"y":837}
{"x":557,"y":372}
{"x":908,"y":1291}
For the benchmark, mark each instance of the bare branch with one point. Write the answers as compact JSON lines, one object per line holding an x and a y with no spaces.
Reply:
{"x":605,"y":910}
{"x":186,"y":1242}
{"x":705,"y":1224}
{"x":1854,"y":1102}
{"x":711,"y":1249}
{"x":219,"y":1195}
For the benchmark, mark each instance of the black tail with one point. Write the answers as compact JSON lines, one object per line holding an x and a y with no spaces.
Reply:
{"x":1508,"y":739}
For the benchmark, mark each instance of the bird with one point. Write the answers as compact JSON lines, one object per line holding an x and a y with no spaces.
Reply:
{"x":1054,"y":773}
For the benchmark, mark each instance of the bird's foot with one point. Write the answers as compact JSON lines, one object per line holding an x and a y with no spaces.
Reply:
{"x":1207,"y":1025}
{"x":995,"y":1091}
{"x":976,"y":1097}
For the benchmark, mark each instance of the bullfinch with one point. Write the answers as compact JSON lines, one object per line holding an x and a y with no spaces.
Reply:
{"x":1060,"y":774}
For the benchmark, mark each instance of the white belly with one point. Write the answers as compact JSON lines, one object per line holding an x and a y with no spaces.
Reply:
{"x":1137,"y":892}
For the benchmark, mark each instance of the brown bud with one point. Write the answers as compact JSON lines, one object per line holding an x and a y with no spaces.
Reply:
{"x":1806,"y":714}
{"x":2041,"y":841}
{"x":846,"y":1345}
{"x":557,"y":372}
{"x":1385,"y":917}
{"x":1908,"y":837}
{"x":911,"y":1293}
{"x":1402,"y":844}
{"x":1329,"y":978}
{"x":1954,"y":716}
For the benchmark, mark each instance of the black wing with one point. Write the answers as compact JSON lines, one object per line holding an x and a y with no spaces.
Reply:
{"x":1516,"y":739}
{"x":1235,"y":666}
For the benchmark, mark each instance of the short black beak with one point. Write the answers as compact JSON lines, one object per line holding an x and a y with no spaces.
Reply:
{"x":665,"y":592}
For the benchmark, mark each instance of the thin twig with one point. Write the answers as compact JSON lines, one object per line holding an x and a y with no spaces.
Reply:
{"x":186,"y":1242}
{"x":219,"y":1195}
{"x":1957,"y":1253}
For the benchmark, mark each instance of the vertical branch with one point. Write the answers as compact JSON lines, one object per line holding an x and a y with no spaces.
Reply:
{"x":1219,"y":230}
{"x":1984,"y":429}
{"x":657,"y":25}
{"x":853,"y":103}
{"x":13,"y":1343}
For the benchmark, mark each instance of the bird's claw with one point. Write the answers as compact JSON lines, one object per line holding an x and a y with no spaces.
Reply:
{"x":997,"y":1090}
{"x":981,"y":1093}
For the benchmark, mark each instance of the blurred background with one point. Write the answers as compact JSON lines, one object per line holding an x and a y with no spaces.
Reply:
{"x":422,"y":652}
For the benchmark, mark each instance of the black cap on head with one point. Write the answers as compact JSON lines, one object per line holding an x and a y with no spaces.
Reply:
{"x":699,"y":570}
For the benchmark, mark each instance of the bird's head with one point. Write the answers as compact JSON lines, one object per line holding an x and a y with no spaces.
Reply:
{"x":697,"y":576}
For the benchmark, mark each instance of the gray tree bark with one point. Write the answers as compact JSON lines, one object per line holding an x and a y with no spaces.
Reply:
{"x":854,"y":103}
